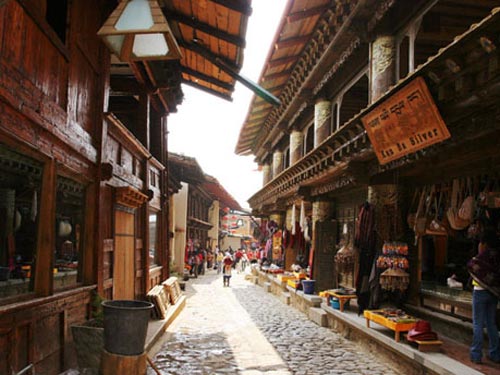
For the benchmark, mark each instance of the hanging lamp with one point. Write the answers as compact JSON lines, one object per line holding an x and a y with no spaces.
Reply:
{"x":138,"y":30}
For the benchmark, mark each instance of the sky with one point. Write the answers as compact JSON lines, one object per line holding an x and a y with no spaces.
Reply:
{"x":207,"y":128}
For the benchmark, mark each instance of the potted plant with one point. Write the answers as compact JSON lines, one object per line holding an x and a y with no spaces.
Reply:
{"x":88,"y":338}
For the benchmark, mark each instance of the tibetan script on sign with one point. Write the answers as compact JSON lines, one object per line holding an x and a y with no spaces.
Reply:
{"x":404,"y":123}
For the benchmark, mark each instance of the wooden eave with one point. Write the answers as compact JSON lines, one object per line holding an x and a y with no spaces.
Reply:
{"x":216,"y":26}
{"x":219,"y":193}
{"x":185,"y":168}
{"x":335,"y":163}
{"x":306,"y":30}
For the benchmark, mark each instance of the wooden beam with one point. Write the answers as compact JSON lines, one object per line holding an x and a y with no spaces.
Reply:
{"x":231,"y":69}
{"x":297,"y":16}
{"x":292,"y":42}
{"x":240,"y":6}
{"x":124,"y":84}
{"x":206,"y":28}
{"x":207,"y":90}
{"x":282,"y":74}
{"x":282,"y":61}
{"x":207,"y":78}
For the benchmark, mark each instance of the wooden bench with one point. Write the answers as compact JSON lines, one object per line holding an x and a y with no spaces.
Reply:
{"x":372,"y":315}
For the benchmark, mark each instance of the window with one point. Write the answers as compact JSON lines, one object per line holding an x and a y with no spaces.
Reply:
{"x":56,"y":15}
{"x":20,"y":186}
{"x":70,"y":201}
{"x":154,"y":253}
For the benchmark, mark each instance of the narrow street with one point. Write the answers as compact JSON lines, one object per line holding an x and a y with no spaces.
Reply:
{"x":241,"y":329}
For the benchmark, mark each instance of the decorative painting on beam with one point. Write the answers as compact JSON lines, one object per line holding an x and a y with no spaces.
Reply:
{"x":406,"y":122}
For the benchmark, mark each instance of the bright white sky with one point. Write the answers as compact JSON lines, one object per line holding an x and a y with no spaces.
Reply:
{"x":207,"y":128}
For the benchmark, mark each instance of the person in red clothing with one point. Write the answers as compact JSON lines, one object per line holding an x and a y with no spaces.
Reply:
{"x":237,"y":258}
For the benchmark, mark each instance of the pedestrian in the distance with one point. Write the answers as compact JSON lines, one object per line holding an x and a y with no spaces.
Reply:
{"x":485,"y":271}
{"x":226,"y":273}
{"x":220,"y":257}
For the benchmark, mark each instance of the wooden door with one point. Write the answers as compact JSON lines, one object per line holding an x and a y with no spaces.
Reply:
{"x":123,"y":268}
{"x":324,"y":253}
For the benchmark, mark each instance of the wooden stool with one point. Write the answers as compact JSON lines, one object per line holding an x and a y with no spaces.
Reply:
{"x":428,"y":346}
{"x":113,"y":364}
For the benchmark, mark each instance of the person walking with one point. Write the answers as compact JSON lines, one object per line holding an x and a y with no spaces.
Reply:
{"x":220,"y":257}
{"x":226,"y":273}
{"x":484,"y":269}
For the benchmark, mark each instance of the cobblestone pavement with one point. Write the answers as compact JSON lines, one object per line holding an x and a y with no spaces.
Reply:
{"x":241,"y":329}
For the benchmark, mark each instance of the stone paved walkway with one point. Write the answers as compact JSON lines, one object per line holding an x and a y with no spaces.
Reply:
{"x":241,"y":329}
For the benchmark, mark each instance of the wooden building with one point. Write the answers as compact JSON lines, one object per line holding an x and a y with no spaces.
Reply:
{"x":381,"y":101}
{"x":198,"y":207}
{"x":84,"y":188}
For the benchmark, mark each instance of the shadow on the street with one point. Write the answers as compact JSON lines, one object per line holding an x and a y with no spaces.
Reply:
{"x":195,"y":354}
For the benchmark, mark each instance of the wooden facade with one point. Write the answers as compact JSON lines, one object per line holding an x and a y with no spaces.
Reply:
{"x":348,"y":60}
{"x":84,"y":192}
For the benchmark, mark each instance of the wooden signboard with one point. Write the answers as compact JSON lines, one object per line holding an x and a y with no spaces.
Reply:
{"x":173,"y":288}
{"x":406,"y":122}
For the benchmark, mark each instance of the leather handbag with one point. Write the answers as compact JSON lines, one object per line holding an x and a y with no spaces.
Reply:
{"x":468,"y":206}
{"x":421,"y":216}
{"x":455,"y":221}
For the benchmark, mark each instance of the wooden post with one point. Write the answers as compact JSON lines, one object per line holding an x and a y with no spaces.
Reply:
{"x":322,"y":116}
{"x":113,"y":364}
{"x":296,"y":146}
{"x":46,"y":233}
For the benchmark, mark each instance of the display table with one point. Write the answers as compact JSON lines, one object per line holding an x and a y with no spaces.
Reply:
{"x":380,"y":316}
{"x":342,"y":297}
{"x":284,"y":277}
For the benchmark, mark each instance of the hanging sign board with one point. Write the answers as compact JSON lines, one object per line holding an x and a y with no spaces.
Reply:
{"x":404,"y":123}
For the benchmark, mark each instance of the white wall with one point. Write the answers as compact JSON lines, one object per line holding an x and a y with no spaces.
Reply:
{"x":179,"y":226}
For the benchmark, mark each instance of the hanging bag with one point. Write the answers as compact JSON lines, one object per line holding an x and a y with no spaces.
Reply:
{"x":412,"y":210}
{"x":435,"y":227}
{"x":468,"y":206}
{"x":421,"y":217}
{"x":455,"y":221}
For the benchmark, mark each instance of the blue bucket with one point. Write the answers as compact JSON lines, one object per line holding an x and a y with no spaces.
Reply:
{"x":308,"y":286}
{"x":334,"y":302}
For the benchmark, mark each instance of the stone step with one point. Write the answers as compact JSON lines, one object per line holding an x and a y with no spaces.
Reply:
{"x":267,"y":287}
{"x":318,"y":316}
{"x":285,"y":298}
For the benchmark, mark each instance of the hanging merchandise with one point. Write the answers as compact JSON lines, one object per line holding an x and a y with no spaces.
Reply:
{"x":364,"y":242}
{"x":302,"y":219}
{"x":307,"y":230}
{"x":452,"y":214}
{"x":394,"y":279}
{"x":293,"y":219}
{"x":345,"y":258}
{"x":394,"y":255}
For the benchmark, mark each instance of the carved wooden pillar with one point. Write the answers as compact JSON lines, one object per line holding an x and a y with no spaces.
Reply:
{"x":266,"y":174}
{"x":296,"y":144}
{"x":383,"y":65}
{"x":322,"y":112}
{"x":277,"y":163}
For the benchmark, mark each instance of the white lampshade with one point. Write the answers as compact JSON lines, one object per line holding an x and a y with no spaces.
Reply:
{"x":137,"y":30}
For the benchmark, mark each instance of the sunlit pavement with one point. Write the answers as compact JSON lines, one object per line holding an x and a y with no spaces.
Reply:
{"x":243,"y":330}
